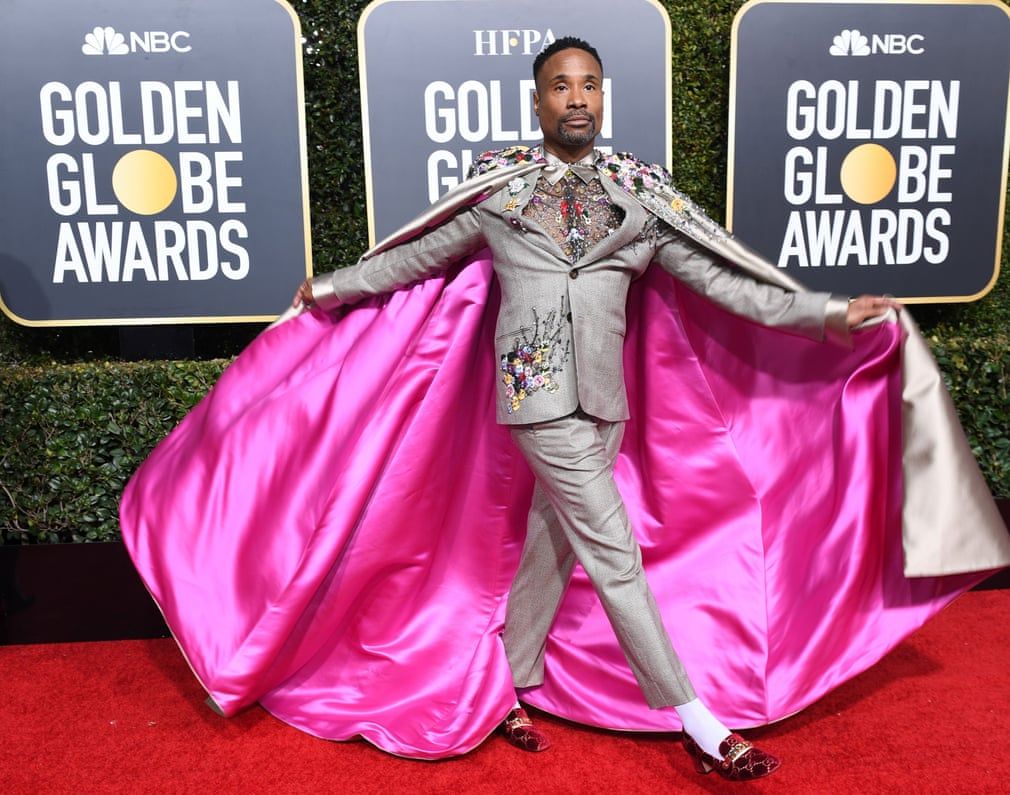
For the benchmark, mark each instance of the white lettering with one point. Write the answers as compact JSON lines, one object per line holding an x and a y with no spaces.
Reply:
{"x":484,"y":42}
{"x":220,"y":112}
{"x":99,"y":117}
{"x":91,"y":203}
{"x":170,"y":253}
{"x":836,"y":238}
{"x":439,"y":122}
{"x":800,"y":118}
{"x":912,"y":109}
{"x":150,"y":112}
{"x":497,"y":132}
{"x":238,"y":269}
{"x":137,"y":257}
{"x":201,"y":269}
{"x":51,"y":116}
{"x":94,"y":113}
{"x":195,"y":172}
{"x":438,"y":182}
{"x":102,"y":246}
{"x":798,"y":183}
{"x":64,"y":194}
{"x":68,"y":257}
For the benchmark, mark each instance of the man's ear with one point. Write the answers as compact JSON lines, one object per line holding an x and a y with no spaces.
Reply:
{"x":536,"y":104}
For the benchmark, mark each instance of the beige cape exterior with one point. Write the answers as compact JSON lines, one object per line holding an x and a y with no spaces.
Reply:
{"x":950,"y":523}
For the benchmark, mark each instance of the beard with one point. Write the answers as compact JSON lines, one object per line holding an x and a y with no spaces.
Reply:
{"x":577,"y":137}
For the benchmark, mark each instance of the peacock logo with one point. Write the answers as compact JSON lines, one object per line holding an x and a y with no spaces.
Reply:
{"x":109,"y":41}
{"x":850,"y":42}
{"x":105,"y":41}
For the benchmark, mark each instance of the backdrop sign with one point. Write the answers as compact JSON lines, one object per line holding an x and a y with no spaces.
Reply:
{"x":467,"y":87}
{"x":152,"y":158}
{"x":868,"y":143}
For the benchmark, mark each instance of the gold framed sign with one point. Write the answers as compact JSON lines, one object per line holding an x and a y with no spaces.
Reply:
{"x":153,"y":161}
{"x":468,"y":88}
{"x":868,"y":143}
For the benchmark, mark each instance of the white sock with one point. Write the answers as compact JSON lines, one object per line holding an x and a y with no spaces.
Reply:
{"x":703,"y":726}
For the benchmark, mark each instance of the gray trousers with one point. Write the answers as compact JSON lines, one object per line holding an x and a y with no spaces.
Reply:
{"x":578,"y":514}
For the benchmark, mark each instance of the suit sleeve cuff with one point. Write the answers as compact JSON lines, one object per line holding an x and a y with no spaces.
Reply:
{"x":836,"y":322}
{"x":324,"y":294}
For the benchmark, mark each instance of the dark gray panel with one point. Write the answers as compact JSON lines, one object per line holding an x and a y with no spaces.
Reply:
{"x":252,"y":42}
{"x":409,"y":45}
{"x":779,"y":43}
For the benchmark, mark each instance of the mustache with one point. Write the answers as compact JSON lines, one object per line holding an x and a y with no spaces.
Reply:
{"x":578,"y":114}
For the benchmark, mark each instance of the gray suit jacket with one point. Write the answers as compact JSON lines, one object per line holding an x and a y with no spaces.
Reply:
{"x":560,"y":330}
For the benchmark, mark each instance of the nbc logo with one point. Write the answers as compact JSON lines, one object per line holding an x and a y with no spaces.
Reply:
{"x":850,"y":42}
{"x":108,"y":41}
{"x":102,"y":41}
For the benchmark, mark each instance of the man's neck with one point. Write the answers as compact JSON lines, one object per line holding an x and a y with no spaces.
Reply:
{"x":570,"y":155}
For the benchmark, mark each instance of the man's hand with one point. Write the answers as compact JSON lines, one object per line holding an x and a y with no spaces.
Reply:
{"x":867,"y":306}
{"x":304,"y":295}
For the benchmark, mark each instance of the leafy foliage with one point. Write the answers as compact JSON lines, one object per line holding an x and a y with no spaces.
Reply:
{"x":75,"y":433}
{"x":977,"y":373}
{"x":75,"y":422}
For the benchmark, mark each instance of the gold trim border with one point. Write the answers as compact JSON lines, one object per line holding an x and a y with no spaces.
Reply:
{"x":207,"y":319}
{"x":668,"y":57}
{"x":948,"y":299}
{"x":363,"y":88}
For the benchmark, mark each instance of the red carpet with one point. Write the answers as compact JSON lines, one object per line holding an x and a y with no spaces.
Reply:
{"x":127,"y":716}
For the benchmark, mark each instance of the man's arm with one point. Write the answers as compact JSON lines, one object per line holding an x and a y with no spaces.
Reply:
{"x":811,"y":314}
{"x":398,"y":267}
{"x":804,"y":313}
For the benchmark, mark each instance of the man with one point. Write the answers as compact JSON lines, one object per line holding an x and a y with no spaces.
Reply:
{"x":567,"y":244}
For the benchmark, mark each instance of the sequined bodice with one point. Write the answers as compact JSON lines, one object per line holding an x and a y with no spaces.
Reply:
{"x":578,"y":214}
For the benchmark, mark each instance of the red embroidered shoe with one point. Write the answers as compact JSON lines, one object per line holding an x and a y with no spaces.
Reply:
{"x":520,"y":731}
{"x":740,"y":761}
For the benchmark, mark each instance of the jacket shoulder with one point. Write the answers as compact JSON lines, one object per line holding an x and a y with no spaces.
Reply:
{"x":653,"y":186}
{"x":633,"y":173}
{"x":500,"y":158}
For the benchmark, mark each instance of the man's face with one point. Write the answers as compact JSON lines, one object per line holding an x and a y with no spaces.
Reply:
{"x":569,"y":101}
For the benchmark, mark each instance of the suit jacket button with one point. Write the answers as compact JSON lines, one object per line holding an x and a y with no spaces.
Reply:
{"x":574,"y":274}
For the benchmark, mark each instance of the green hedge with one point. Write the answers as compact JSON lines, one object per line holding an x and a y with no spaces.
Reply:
{"x":977,"y":373}
{"x":75,"y":433}
{"x":74,"y":422}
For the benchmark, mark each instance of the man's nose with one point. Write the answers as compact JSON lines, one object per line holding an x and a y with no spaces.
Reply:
{"x":576,"y":98}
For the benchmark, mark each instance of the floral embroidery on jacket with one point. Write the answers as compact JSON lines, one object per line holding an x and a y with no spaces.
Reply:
{"x":502,"y":158}
{"x":535,"y":357}
{"x":632,"y":174}
{"x":652,"y":185}
{"x":516,"y":186}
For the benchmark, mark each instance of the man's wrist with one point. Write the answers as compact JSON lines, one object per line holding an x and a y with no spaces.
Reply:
{"x":323,"y":294}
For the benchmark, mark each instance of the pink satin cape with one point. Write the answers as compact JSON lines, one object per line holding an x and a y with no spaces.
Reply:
{"x":332,"y":531}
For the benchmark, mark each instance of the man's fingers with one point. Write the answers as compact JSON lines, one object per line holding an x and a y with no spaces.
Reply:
{"x":866,"y":306}
{"x":303,"y":296}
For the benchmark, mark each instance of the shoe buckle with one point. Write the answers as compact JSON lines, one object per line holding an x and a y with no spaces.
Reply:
{"x":737,"y":749}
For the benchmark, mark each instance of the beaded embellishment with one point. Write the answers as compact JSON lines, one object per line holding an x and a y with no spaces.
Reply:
{"x":576,"y":214}
{"x":652,"y":185}
{"x":536,"y":355}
